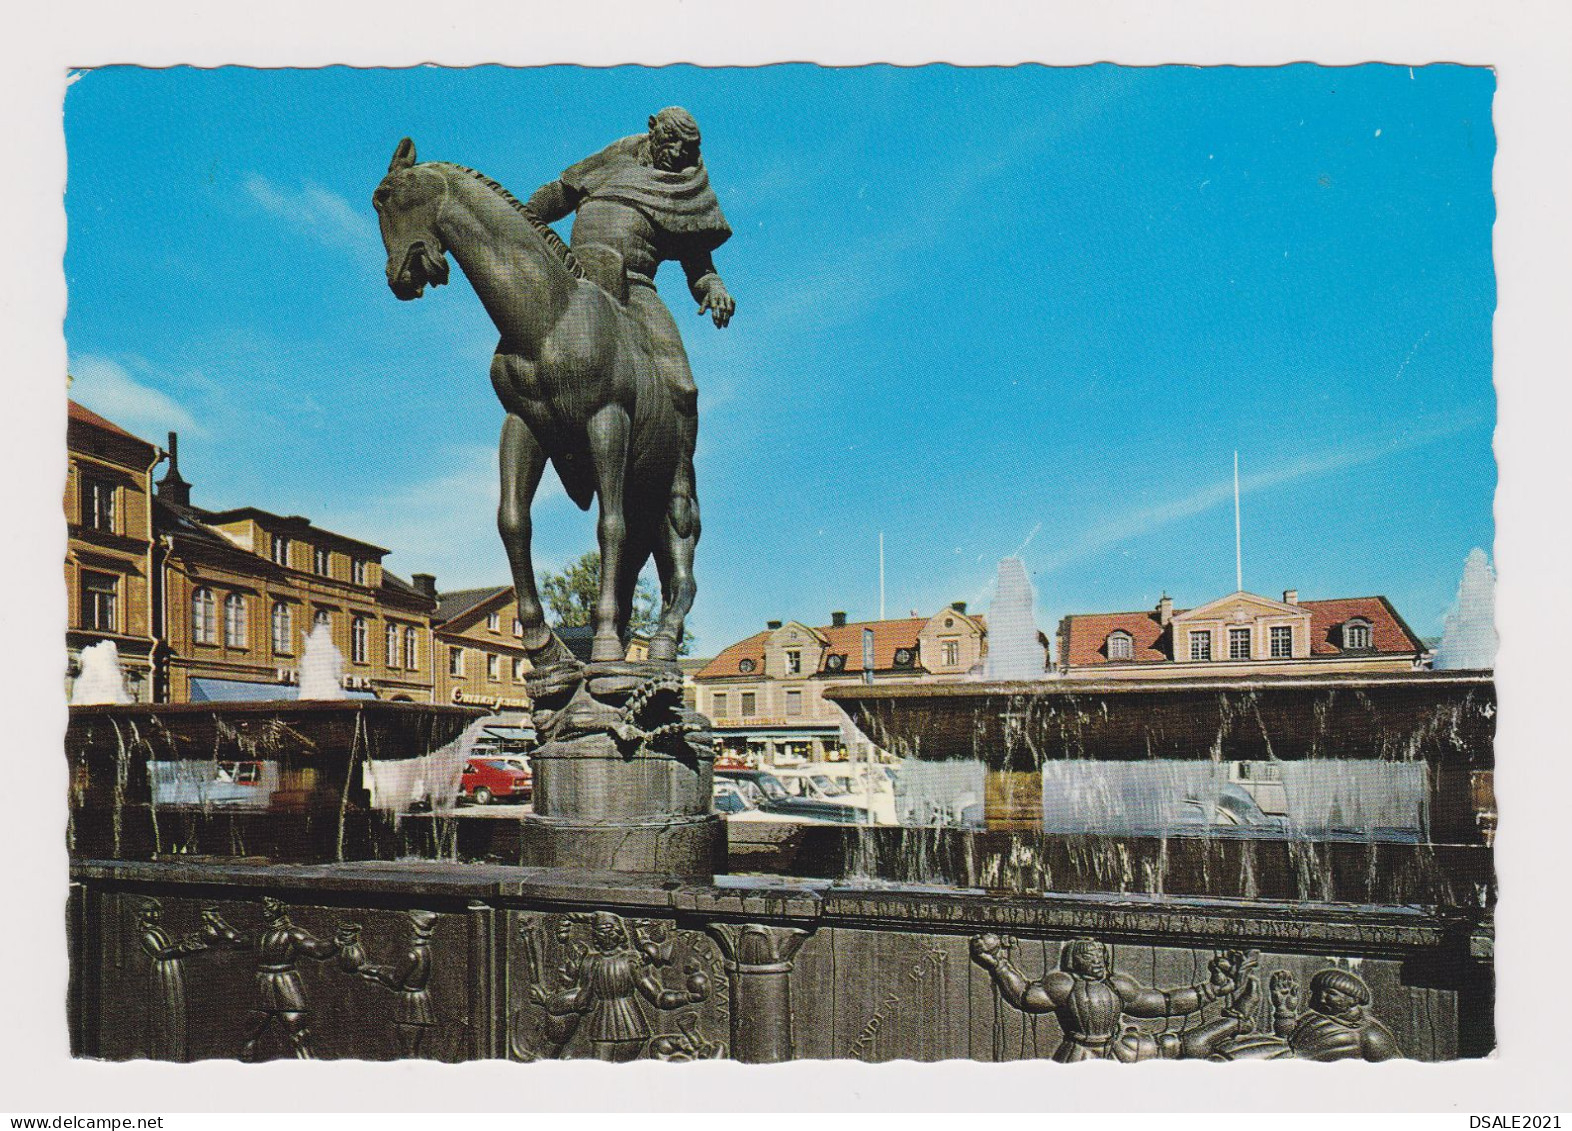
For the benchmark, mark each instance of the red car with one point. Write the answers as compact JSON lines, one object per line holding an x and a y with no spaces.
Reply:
{"x":488,"y":778}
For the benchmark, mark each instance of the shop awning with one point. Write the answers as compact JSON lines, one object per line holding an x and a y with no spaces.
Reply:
{"x":240,"y":691}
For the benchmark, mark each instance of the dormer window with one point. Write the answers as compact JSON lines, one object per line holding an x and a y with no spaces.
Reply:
{"x":321,"y":562}
{"x":280,"y":550}
{"x":794,"y":661}
{"x":1356,"y":635}
{"x":1121,"y":646}
{"x":494,"y":622}
{"x":746,"y":667}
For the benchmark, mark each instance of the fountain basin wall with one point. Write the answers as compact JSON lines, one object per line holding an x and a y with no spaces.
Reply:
{"x":754,"y":969}
{"x":290,"y":780}
{"x":1444,"y":721}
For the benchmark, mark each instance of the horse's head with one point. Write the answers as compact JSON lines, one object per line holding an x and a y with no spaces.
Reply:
{"x":407,"y":202}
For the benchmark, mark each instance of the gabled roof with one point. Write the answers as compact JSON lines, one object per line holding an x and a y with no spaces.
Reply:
{"x":838,"y":640}
{"x":87,"y":416}
{"x":1200,"y":612}
{"x":451,"y":606}
{"x":1083,"y":636}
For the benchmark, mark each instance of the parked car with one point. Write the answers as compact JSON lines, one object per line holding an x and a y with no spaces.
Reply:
{"x":741,"y":801}
{"x":775,"y":798}
{"x":488,"y":779}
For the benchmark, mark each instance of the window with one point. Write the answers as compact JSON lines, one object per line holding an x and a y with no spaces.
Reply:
{"x":1238,"y":643}
{"x":283,"y":628}
{"x":358,"y":569}
{"x":392,"y":645}
{"x":280,"y":550}
{"x":1282,"y":642}
{"x":411,"y":650}
{"x":98,"y":504}
{"x":456,"y":661}
{"x":1121,"y":646}
{"x":1356,"y":635}
{"x":322,"y":562}
{"x":794,"y":662}
{"x":750,"y":704}
{"x":1201,"y":645}
{"x":718,"y":704}
{"x":235,"y":621}
{"x":518,"y":669}
{"x":518,"y":628}
{"x":204,"y":617}
{"x":357,"y":640}
{"x":794,"y":703}
{"x":951,"y":652}
{"x":494,"y":622}
{"x":493,"y":667}
{"x":100,"y":604}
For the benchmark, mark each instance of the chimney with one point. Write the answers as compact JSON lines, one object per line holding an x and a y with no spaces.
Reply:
{"x":1290,"y":596}
{"x":772,"y":625}
{"x":1165,"y":610}
{"x":172,"y":488}
{"x":837,"y":620}
{"x":959,"y":606}
{"x":426,"y":583}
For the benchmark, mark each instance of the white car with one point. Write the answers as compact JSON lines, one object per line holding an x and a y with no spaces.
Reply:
{"x":853,"y":787}
{"x":739,"y":801}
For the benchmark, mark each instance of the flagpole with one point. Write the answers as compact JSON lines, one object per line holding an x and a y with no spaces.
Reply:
{"x":1238,"y":538}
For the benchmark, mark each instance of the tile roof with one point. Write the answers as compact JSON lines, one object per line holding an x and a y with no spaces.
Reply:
{"x":83,"y":415}
{"x":1152,"y":643}
{"x":844,"y":640}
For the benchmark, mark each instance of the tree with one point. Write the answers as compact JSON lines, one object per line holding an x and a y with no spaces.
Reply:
{"x":570,"y":598}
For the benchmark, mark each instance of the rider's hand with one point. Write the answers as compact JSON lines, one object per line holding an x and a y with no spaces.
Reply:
{"x":719,"y":303}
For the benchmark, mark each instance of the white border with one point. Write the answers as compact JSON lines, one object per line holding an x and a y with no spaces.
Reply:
{"x":1527,"y":43}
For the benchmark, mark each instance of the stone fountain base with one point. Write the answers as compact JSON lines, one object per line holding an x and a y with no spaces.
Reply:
{"x":165,"y":962}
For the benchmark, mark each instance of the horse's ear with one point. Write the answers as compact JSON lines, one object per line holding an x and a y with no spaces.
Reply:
{"x":403,"y":156}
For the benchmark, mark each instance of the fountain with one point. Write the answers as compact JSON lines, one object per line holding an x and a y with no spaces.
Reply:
{"x":321,"y":666}
{"x":1013,"y":650}
{"x":1231,"y":869}
{"x":101,"y":680}
{"x":1469,"y":638}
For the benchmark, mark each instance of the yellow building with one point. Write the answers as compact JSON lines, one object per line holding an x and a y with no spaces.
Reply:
{"x":479,"y":649}
{"x":109,"y":546}
{"x":243,"y":588}
{"x":765,"y":694}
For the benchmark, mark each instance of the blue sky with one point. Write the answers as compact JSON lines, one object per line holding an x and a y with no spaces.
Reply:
{"x":983,"y":311}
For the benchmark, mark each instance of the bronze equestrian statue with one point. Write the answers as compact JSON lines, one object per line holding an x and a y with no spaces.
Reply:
{"x":589,"y":366}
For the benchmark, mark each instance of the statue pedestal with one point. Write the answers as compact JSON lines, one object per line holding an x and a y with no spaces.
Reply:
{"x":623,"y":779}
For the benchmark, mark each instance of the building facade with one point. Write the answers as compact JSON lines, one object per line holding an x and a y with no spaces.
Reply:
{"x":109,"y":569}
{"x":765,"y":694}
{"x":1241,"y":634}
{"x":480,"y":649}
{"x":243,"y":588}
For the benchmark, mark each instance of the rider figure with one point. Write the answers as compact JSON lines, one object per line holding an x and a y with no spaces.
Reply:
{"x":648,"y":198}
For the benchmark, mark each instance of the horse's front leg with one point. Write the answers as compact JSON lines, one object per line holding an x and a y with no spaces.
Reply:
{"x":522,"y":460}
{"x":608,"y":443}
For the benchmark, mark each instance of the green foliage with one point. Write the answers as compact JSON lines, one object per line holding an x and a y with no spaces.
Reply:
{"x":570,"y":596}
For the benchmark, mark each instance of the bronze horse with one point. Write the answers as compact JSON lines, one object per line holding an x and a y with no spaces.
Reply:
{"x":573,"y":371}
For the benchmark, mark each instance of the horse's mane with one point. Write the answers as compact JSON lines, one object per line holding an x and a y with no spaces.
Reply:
{"x":543,"y":229}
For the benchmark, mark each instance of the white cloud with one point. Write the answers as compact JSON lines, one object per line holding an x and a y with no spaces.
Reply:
{"x":324,"y":215}
{"x":1137,"y":523}
{"x":109,"y":390}
{"x":445,"y":524}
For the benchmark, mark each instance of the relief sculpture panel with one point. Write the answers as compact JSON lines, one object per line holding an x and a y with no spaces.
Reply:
{"x":596,"y":985}
{"x":264,"y":980}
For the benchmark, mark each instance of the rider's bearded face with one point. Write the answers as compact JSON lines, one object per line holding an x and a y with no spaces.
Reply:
{"x":670,"y":153}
